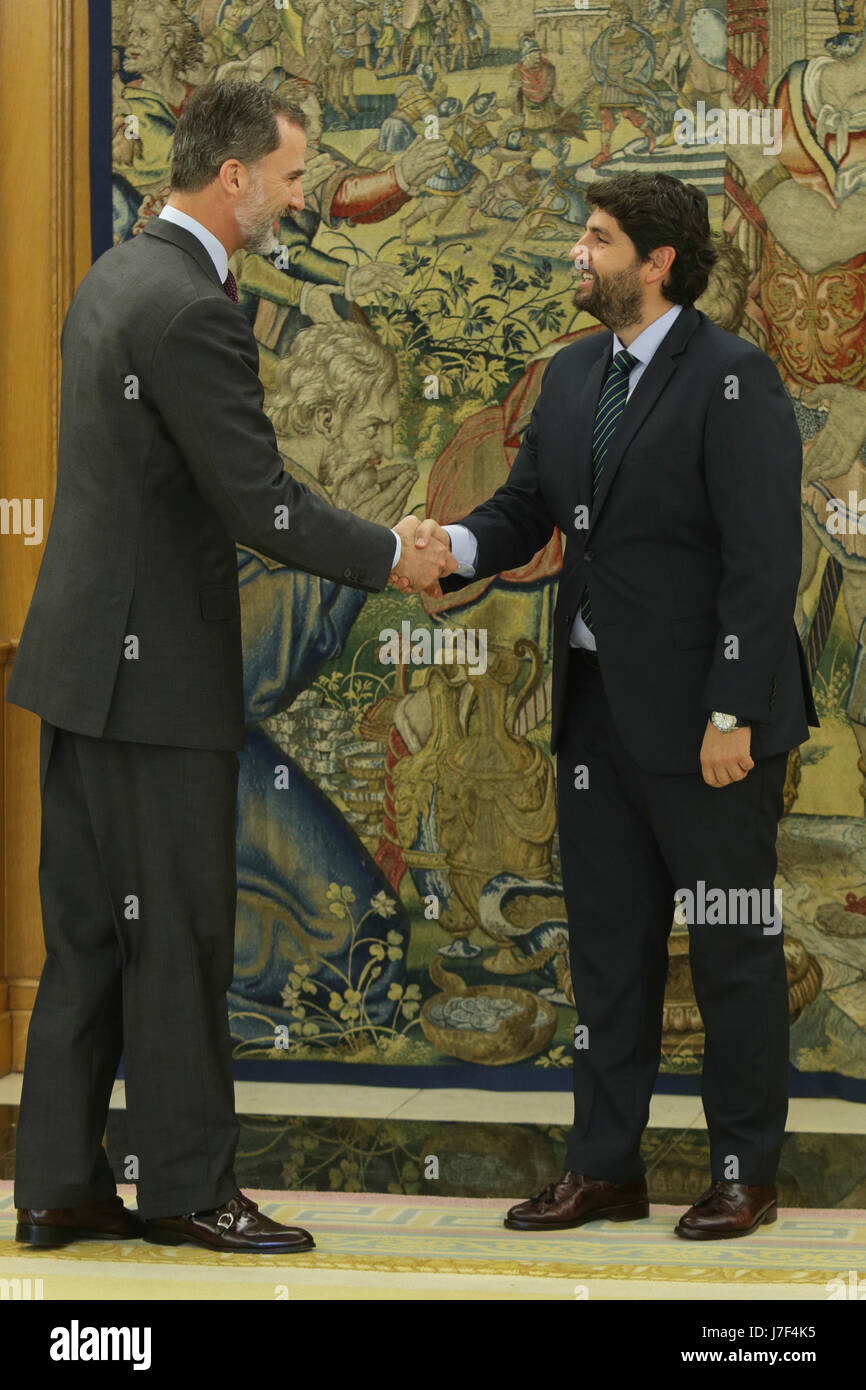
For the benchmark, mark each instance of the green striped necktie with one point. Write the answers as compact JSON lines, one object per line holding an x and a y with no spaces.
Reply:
{"x":611,"y":404}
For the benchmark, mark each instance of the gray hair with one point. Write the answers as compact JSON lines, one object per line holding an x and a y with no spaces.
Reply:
{"x":335,"y":366}
{"x":232,"y":119}
{"x":184,"y":41}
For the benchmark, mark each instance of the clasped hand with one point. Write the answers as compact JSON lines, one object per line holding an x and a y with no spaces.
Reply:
{"x":425,"y":556}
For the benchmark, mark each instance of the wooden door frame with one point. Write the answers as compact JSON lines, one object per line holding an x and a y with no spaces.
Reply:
{"x":45,"y":215}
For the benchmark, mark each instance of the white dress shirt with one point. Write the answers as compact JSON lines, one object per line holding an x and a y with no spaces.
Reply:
{"x":464,"y":546}
{"x":214,"y":247}
{"x":220,"y":258}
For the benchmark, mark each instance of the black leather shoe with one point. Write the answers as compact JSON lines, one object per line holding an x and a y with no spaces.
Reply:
{"x":728,"y":1209}
{"x":576,"y":1199}
{"x":54,"y":1226}
{"x":237,"y":1225}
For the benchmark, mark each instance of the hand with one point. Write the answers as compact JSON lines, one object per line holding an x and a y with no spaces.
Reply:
{"x":423,"y":158}
{"x":377,"y":277}
{"x":318,"y":167}
{"x":421,"y":566}
{"x":431,"y":530}
{"x":319,"y":303}
{"x":835,"y":447}
{"x":725,"y":758}
{"x":234,"y":16}
{"x":124,"y":150}
{"x":376,"y":492}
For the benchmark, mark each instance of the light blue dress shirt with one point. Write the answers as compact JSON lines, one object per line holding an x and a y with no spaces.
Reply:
{"x":464,"y":546}
{"x":219,"y":256}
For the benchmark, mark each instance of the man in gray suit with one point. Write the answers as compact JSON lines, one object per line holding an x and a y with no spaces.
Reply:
{"x":131,"y":655}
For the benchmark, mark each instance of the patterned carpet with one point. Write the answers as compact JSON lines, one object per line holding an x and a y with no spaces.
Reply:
{"x":392,"y":1244}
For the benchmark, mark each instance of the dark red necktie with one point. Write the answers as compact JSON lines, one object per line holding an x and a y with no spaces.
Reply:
{"x":230,"y":285}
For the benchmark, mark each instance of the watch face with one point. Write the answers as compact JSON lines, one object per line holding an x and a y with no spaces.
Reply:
{"x":724,"y":722}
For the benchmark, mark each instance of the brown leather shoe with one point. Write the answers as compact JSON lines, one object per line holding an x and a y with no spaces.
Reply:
{"x":106,"y":1220}
{"x":728,"y":1209}
{"x":575,"y":1199}
{"x":236,"y":1225}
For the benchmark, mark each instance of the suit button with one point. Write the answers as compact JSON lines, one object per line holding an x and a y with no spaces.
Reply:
{"x":588,"y":557}
{"x":347,"y":574}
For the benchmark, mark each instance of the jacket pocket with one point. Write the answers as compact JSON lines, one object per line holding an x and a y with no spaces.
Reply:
{"x":219,"y":602}
{"x":699,"y":631}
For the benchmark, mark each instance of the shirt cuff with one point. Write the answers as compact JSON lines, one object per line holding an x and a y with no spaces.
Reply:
{"x":464,"y":548}
{"x":399,"y":551}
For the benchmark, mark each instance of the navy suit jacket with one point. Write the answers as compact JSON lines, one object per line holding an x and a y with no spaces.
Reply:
{"x":693,"y":548}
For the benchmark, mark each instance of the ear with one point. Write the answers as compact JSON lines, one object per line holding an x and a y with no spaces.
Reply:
{"x":661,"y":260}
{"x":325,"y":421}
{"x":231,"y":177}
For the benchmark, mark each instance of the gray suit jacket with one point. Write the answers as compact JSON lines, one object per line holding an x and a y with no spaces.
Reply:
{"x":165,"y":460}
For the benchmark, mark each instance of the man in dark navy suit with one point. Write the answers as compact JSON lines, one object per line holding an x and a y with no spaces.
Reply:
{"x":667,"y":453}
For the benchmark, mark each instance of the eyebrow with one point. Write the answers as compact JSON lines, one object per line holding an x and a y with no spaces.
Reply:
{"x":597,"y":227}
{"x":294,"y":174}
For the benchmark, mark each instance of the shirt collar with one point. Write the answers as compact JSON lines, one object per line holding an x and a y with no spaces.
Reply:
{"x":211,"y":244}
{"x":646,"y":342}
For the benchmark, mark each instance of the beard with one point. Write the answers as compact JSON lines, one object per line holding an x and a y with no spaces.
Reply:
{"x":255,"y":217}
{"x":616,"y":301}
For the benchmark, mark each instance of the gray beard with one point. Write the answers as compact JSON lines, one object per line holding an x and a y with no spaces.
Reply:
{"x":255,"y":222}
{"x":261,"y":238}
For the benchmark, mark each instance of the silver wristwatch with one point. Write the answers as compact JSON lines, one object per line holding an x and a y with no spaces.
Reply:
{"x":726,"y":722}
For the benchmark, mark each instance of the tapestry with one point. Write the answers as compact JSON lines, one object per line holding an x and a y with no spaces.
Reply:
{"x":400,"y":912}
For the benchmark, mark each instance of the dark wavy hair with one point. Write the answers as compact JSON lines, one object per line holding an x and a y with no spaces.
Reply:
{"x":658,"y":210}
{"x":231,"y":119}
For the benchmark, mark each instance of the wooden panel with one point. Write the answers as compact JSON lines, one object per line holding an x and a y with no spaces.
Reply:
{"x":45,"y":215}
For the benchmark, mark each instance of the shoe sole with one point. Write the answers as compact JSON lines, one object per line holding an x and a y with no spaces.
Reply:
{"x":52,"y":1237}
{"x":167,"y":1237}
{"x":632,"y":1211}
{"x":767,"y":1219}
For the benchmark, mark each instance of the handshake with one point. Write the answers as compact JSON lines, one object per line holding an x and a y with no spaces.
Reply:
{"x":425,"y":556}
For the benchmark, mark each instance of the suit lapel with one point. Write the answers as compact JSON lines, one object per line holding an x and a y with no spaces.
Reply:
{"x":179,"y":236}
{"x":653,"y":381}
